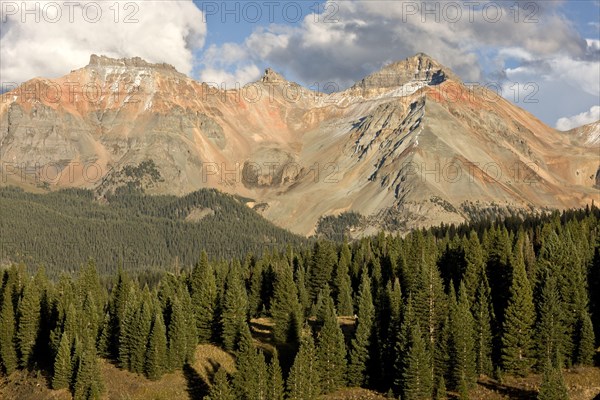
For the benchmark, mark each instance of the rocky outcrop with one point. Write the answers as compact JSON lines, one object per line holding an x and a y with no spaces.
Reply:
{"x":407,"y":146}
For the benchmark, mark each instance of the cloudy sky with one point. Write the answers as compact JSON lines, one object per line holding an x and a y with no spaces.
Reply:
{"x":544,"y":56}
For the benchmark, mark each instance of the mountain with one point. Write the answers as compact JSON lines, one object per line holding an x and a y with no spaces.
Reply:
{"x":407,"y":146}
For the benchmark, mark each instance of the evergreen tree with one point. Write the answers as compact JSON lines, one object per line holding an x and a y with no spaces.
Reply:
{"x":8,"y":353}
{"x":177,"y":335}
{"x":483,"y":312}
{"x":116,"y":314}
{"x":285,"y":308}
{"x":585,"y":340}
{"x":416,"y":376}
{"x":156,"y":354}
{"x":343,"y":285}
{"x":359,"y":350}
{"x":321,"y":267}
{"x":331,"y":351}
{"x":276,"y":384}
{"x":250,"y":381}
{"x":475,"y":265}
{"x":63,"y":369}
{"x":221,"y":388}
{"x":29,"y":323}
{"x":462,"y":346}
{"x":235,"y":308}
{"x":518,"y":322}
{"x":204,"y":298}
{"x":138,"y":338}
{"x":550,"y":330}
{"x":553,"y":384}
{"x":303,"y":382}
{"x":87,"y":382}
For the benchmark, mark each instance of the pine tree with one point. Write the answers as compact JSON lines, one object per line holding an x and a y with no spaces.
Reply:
{"x":63,"y":369}
{"x":156,"y":354}
{"x":550,"y":330}
{"x":416,"y":376}
{"x":29,"y":323}
{"x":462,"y":346}
{"x":475,"y":265}
{"x":343,"y":285}
{"x":8,"y":353}
{"x":331,"y":351}
{"x":177,"y":335}
{"x":250,"y":381}
{"x":553,"y":385}
{"x":138,"y":339}
{"x":483,"y":312}
{"x":87,"y":382}
{"x":221,"y":388}
{"x":116,"y":314}
{"x":584,"y":354}
{"x":285,"y":308}
{"x":303,"y":382}
{"x":518,"y":322}
{"x":321,"y":267}
{"x":276,"y":384}
{"x":204,"y":298}
{"x":235,"y":308}
{"x":359,"y":350}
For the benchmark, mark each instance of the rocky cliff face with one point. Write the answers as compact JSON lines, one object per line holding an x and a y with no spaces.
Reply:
{"x":407,"y":146}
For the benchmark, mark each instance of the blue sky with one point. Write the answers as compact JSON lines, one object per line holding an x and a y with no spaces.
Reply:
{"x":545,"y":51}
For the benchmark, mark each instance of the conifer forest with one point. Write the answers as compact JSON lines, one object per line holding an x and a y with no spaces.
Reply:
{"x":420,"y":316}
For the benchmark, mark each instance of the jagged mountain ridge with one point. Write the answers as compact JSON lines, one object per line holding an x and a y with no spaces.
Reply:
{"x":407,"y":146}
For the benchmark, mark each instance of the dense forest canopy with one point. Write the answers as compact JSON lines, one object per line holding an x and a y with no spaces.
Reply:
{"x":432,"y":311}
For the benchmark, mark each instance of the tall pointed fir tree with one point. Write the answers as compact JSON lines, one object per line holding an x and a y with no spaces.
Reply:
{"x":343,"y":285}
{"x":28,"y":315}
{"x":483,"y":313}
{"x":8,"y":353}
{"x":285,"y":307}
{"x":462,"y":346}
{"x":250,"y":381}
{"x":203,"y":287}
{"x":550,"y":329}
{"x":417,"y":383}
{"x":518,"y":323}
{"x":331,"y":351}
{"x":221,"y":388}
{"x":276,"y":384}
{"x":321,"y":267}
{"x":553,"y":384}
{"x":88,"y":384}
{"x":181,"y":346}
{"x":63,"y":364}
{"x":235,"y":307}
{"x":303,"y":381}
{"x":359,"y":348}
{"x":156,"y":354}
{"x":584,"y":340}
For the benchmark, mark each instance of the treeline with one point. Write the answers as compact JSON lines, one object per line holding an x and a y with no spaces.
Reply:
{"x":433,"y":312}
{"x":62,"y":230}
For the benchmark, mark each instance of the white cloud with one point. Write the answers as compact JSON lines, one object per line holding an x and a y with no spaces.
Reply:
{"x":165,"y":31}
{"x":586,"y":117}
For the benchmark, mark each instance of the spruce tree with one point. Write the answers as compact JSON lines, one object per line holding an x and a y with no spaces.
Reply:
{"x":483,"y":312}
{"x":462,"y":346}
{"x":250,"y":380}
{"x":29,"y":323}
{"x":276,"y":384}
{"x":285,"y":308}
{"x":221,"y":388}
{"x":177,"y":336}
{"x":204,"y":298}
{"x":63,"y":369}
{"x":235,"y":308}
{"x":87,"y":381}
{"x":8,"y":353}
{"x":303,"y":382}
{"x":550,"y":330}
{"x":343,"y":285}
{"x":553,"y":384}
{"x":331,"y":351}
{"x":519,"y":318}
{"x":321,"y":267}
{"x":585,"y":339}
{"x":417,"y":382}
{"x":156,"y":354}
{"x":359,"y":348}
